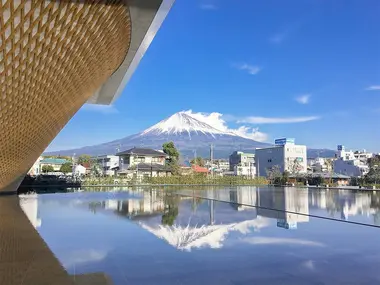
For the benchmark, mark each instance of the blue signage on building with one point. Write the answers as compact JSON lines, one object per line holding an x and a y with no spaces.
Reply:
{"x":284,"y":141}
{"x":340,"y":147}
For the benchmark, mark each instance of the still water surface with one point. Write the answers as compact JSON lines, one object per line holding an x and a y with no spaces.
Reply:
{"x":234,"y":235}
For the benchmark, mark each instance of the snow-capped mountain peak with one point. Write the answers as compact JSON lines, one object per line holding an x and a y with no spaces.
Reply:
{"x":183,"y":122}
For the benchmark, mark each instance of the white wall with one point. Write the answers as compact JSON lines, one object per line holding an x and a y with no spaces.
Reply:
{"x":245,"y":170}
{"x":348,"y":168}
{"x":293,"y":152}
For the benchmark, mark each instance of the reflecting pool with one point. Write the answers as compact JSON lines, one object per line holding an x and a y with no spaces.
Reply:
{"x":220,"y":235}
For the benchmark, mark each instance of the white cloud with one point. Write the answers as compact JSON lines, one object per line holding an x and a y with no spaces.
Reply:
{"x":251,"y":69}
{"x":82,"y":256}
{"x":216,"y":121}
{"x":207,"y":7}
{"x":281,"y":241}
{"x":373,"y":88}
{"x":269,"y":120}
{"x":252,"y":133}
{"x":303,"y":99}
{"x":104,"y":109}
{"x":278,"y":38}
{"x":309,"y":264}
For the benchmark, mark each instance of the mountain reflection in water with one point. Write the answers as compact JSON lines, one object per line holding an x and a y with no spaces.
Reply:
{"x":216,"y":232}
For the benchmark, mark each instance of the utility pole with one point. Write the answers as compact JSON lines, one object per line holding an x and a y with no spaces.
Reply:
{"x":212,"y":159}
{"x":258,"y":168}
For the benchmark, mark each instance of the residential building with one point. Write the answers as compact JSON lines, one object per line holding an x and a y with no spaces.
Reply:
{"x":80,"y":170}
{"x":353,"y":168}
{"x":242,"y":163}
{"x":242,"y":159}
{"x":350,"y":163}
{"x":56,"y":163}
{"x":285,"y":154}
{"x":223,"y":165}
{"x":343,"y":154}
{"x":363,"y":155}
{"x":145,"y":161}
{"x":108,"y":164}
{"x":320,"y":164}
{"x":245,"y":170}
{"x":199,"y":169}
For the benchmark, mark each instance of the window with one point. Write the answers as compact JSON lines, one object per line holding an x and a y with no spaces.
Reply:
{"x":269,"y":160}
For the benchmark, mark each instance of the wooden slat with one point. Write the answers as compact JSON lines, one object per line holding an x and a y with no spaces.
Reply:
{"x":53,"y":56}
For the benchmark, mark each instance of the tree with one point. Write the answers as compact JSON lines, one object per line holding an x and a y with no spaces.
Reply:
{"x":198,"y":161}
{"x":170,"y":149}
{"x":274,"y":174}
{"x":285,"y":177}
{"x":47,"y":168}
{"x":172,"y":162}
{"x":374,"y":161}
{"x":84,"y":158}
{"x":66,"y":167}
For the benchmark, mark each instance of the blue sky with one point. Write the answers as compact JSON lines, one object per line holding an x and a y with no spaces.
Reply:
{"x":308,"y":69}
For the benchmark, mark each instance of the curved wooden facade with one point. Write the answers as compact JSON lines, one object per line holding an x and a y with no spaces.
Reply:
{"x":54,"y":55}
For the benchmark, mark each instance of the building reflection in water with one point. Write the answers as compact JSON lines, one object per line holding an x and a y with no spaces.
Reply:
{"x":346,"y":204}
{"x":29,"y":204}
{"x":187,"y":222}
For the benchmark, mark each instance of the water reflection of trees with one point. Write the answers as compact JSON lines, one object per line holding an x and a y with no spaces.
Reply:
{"x":171,"y":210}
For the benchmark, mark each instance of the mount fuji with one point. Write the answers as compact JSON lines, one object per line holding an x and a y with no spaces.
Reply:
{"x":190,"y":135}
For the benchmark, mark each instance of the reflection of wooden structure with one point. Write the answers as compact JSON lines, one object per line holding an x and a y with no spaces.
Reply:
{"x":24,"y":256}
{"x":92,"y":279}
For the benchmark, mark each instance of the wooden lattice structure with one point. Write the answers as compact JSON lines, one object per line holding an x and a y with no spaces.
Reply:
{"x":53,"y":56}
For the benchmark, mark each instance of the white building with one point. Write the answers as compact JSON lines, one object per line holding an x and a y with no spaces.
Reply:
{"x":350,"y":163}
{"x":245,"y":170}
{"x":36,"y":168}
{"x":350,"y":167}
{"x":285,"y":154}
{"x":363,"y":155}
{"x":241,"y":158}
{"x":107,"y":163}
{"x":79,"y":170}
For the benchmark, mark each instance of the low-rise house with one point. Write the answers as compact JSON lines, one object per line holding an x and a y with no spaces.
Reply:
{"x":145,"y":161}
{"x":56,"y":163}
{"x":108,"y":164}
{"x":245,"y":170}
{"x":87,"y":165}
{"x":151,"y":170}
{"x":242,"y":159}
{"x":79,"y":170}
{"x":199,"y":169}
{"x":223,"y":164}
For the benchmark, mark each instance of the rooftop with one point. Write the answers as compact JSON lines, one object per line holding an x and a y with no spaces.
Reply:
{"x":54,"y":161}
{"x":142,"y":151}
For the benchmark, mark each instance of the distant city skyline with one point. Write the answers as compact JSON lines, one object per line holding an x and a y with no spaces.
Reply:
{"x":268,"y":69}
